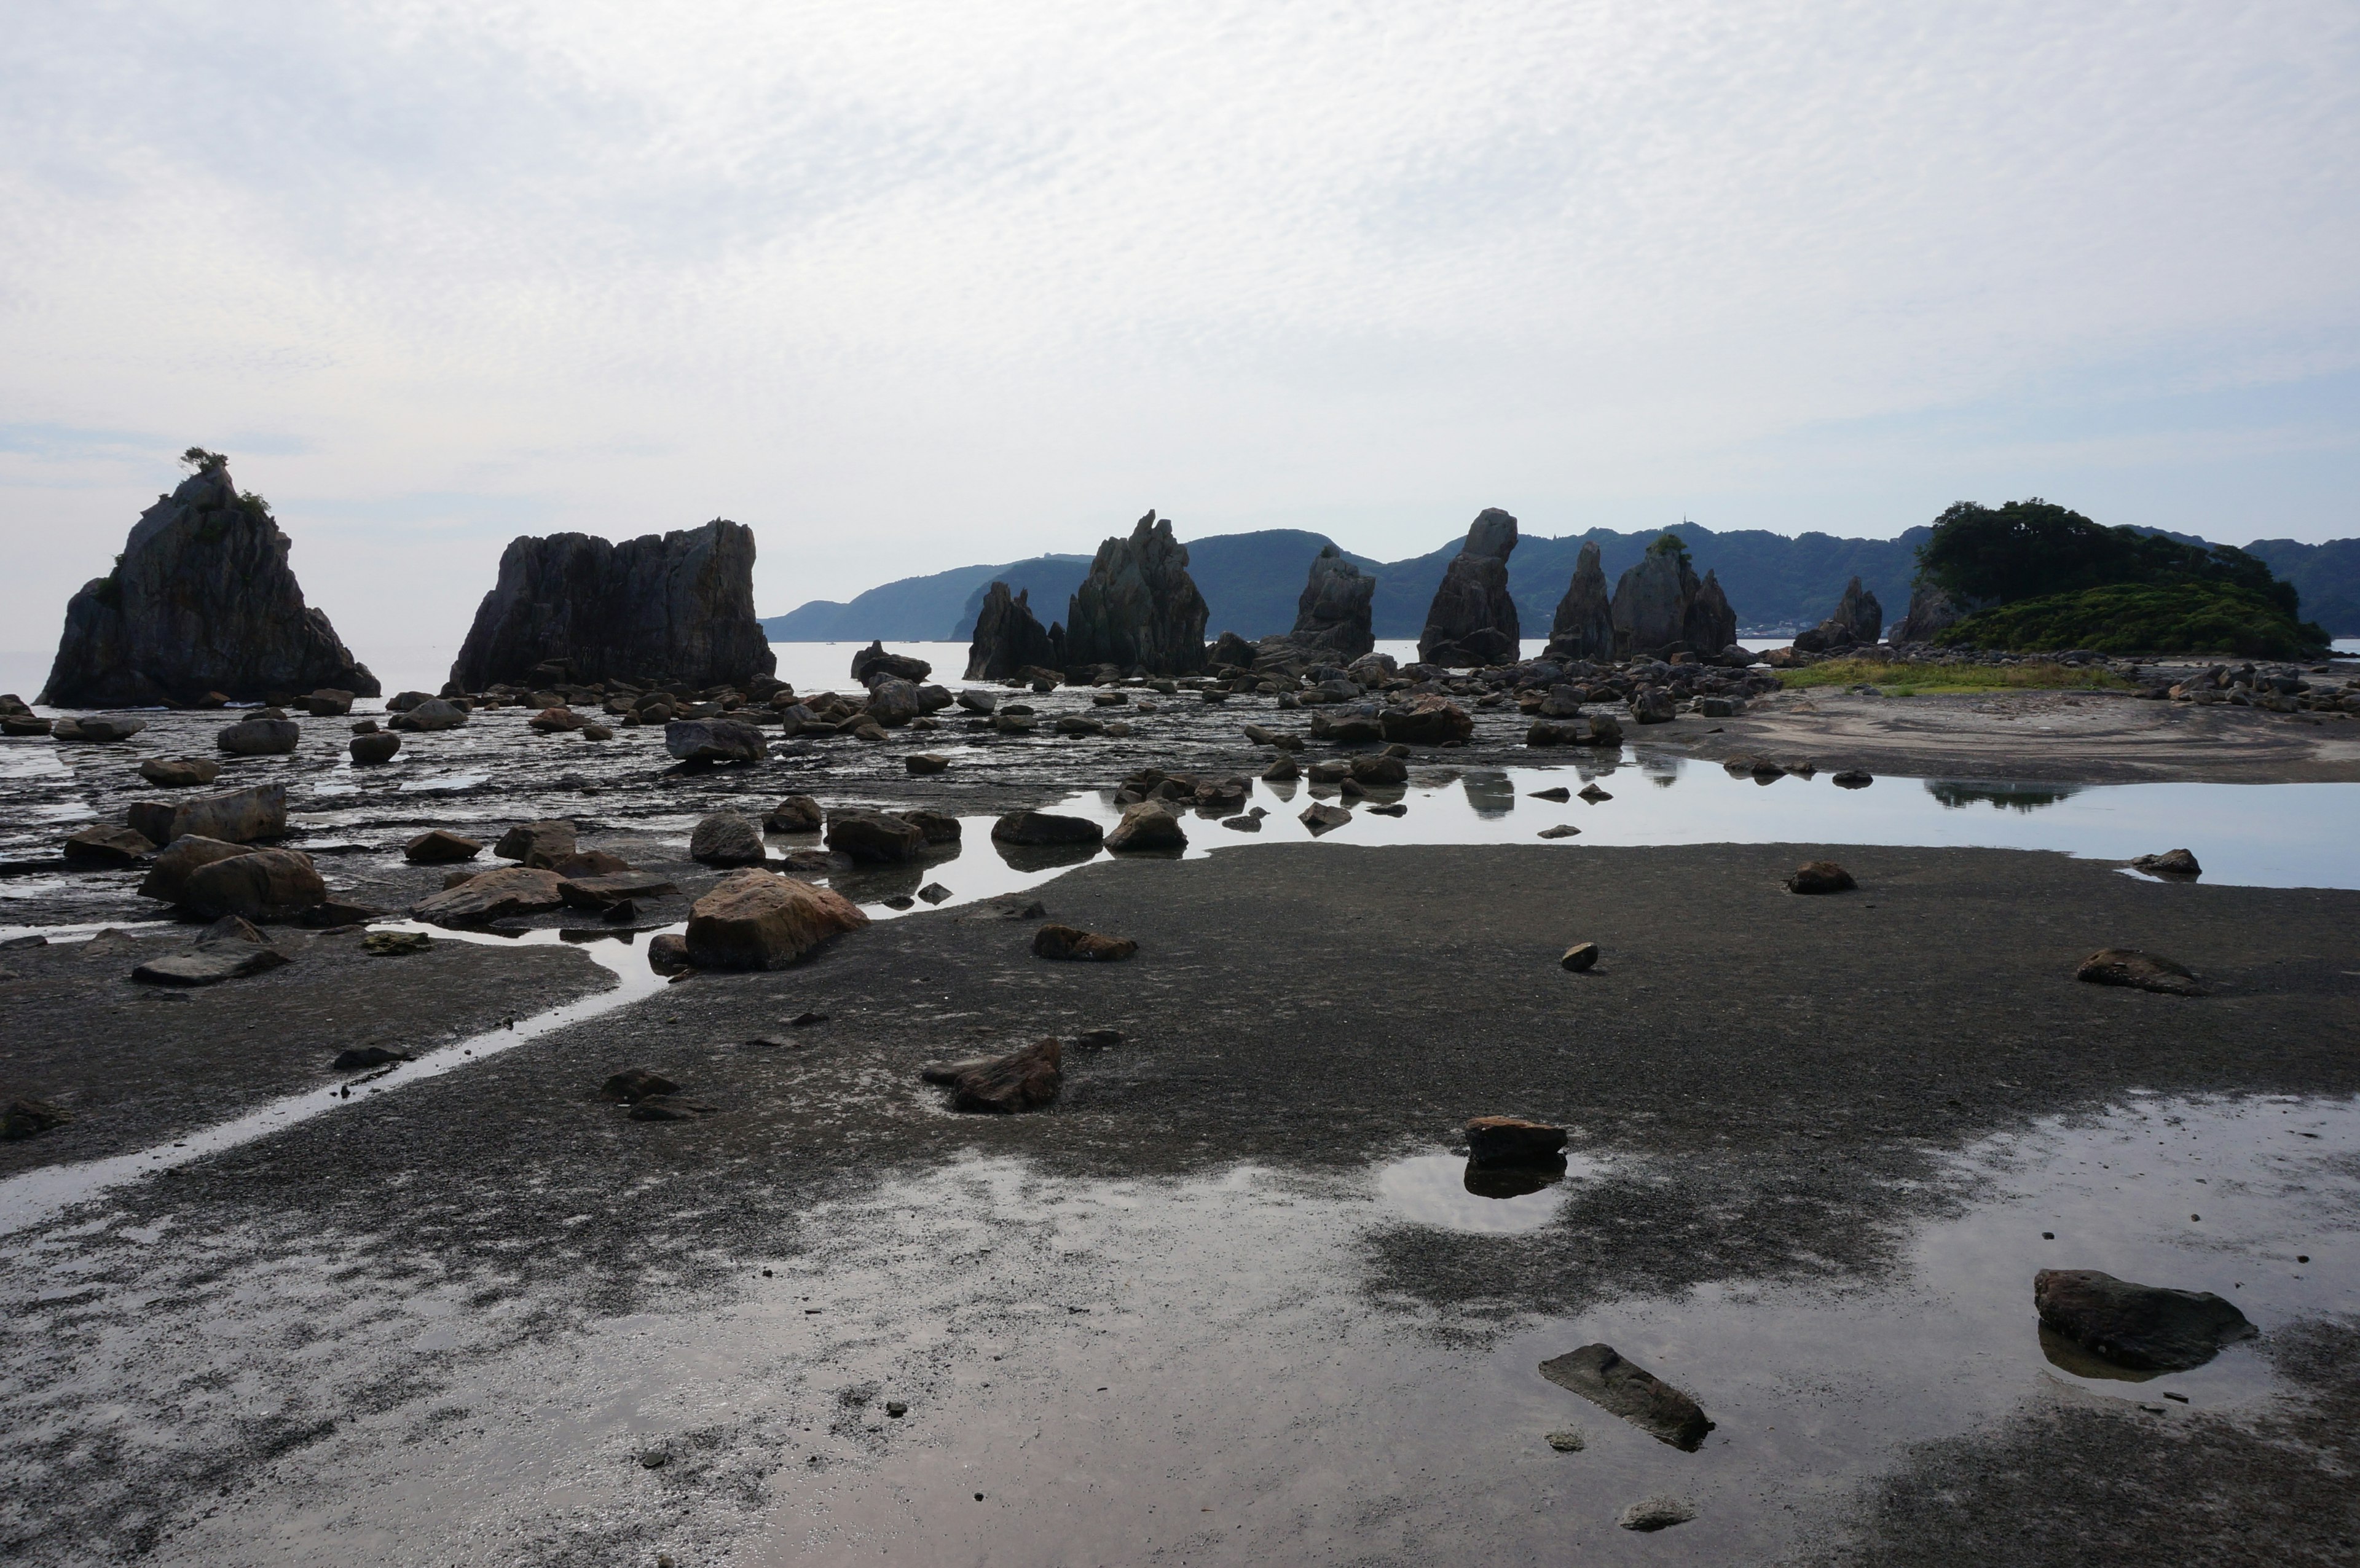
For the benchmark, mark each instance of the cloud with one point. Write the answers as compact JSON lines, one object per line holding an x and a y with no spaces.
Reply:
{"x":916,"y":283}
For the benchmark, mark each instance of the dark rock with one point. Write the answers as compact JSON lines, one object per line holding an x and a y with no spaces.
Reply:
{"x":2172,"y":862}
{"x":1853,"y":778}
{"x":1427,"y":720}
{"x":1593,"y":794}
{"x":1558,"y":793}
{"x":591,"y":863}
{"x":2144,"y":1327}
{"x":725,"y":838}
{"x":538,"y":845}
{"x":713,"y":740}
{"x":1472,"y":620}
{"x":1562,"y":830}
{"x":1332,"y":616}
{"x":229,"y":949}
{"x":1932,"y":613}
{"x":167,"y":879}
{"x":1859,"y":613}
{"x":1600,"y":1375}
{"x":439,"y":846}
{"x":1653,"y":705}
{"x":360,"y":1059}
{"x":873,"y":661}
{"x":489,"y":895}
{"x":261,"y":885}
{"x":396,"y":944}
{"x":1139,"y":608}
{"x":874,"y":837}
{"x":796,"y":814}
{"x":1390,"y":809}
{"x":1510,"y":1140}
{"x":1283,"y":769}
{"x":1021,"y":1081}
{"x":1045,"y":828}
{"x":1820,"y":876}
{"x":1659,"y":605}
{"x":939,"y":827}
{"x":1319,"y":817}
{"x":240,"y":816}
{"x":102,"y":844}
{"x":259,"y":737}
{"x":933,"y":892}
{"x":200,"y":601}
{"x":668,"y":954}
{"x":1008,"y":638}
{"x":2146,"y":971}
{"x":104,"y":729}
{"x":555,"y":721}
{"x":636,"y":1083}
{"x":893,"y":702}
{"x":605,"y":891}
{"x":178,"y":772}
{"x":373,"y":747}
{"x":1660,"y":1511}
{"x":621,"y":912}
{"x":22,"y":725}
{"x":1584,"y":624}
{"x":1229,"y":648}
{"x":1591,"y":729}
{"x":1148,"y":826}
{"x":667,"y":1108}
{"x":434,"y":713}
{"x":1377,"y":770}
{"x":922,"y":763}
{"x":22,"y":1116}
{"x":1581,"y":956}
{"x":752,"y":920}
{"x":1081,"y":946}
{"x":975,"y":702}
{"x":681,"y":603}
{"x":327,"y":703}
{"x":1242,"y":824}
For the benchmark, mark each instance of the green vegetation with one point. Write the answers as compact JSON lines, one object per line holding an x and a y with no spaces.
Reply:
{"x":204,"y":462}
{"x":2137,"y":617}
{"x":1669,"y":544}
{"x":1909,"y":679}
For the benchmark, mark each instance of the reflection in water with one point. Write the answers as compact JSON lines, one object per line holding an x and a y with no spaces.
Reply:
{"x":1958,"y":793}
{"x":1513,"y":1181}
{"x":1490,"y":792}
{"x":1443,"y":1190}
{"x":2068,"y":1356}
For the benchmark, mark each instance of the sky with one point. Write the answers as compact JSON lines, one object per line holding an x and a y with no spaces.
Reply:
{"x":906,"y":285}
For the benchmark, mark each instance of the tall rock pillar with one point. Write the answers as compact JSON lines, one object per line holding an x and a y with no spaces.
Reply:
{"x":1472,"y":621}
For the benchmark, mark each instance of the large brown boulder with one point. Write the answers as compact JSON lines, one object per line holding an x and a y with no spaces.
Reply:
{"x":201,"y":600}
{"x":874,"y":836}
{"x":1148,"y":826}
{"x":1426,"y":720}
{"x":1039,"y":828}
{"x":1139,"y":608}
{"x":678,"y":605}
{"x":1333,"y":614}
{"x":1603,"y":1376}
{"x":796,"y":814}
{"x":240,"y":816}
{"x":2148,"y":1328}
{"x":1584,"y":624}
{"x":756,"y":921}
{"x":1009,"y":637}
{"x":725,"y":838}
{"x":1472,"y":620}
{"x":1021,"y":1081}
{"x":259,"y":737}
{"x":261,"y":885}
{"x":493,"y":895}
{"x":168,"y":878}
{"x":540,"y":844}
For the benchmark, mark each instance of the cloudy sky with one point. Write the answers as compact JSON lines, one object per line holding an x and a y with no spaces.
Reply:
{"x":906,"y":285}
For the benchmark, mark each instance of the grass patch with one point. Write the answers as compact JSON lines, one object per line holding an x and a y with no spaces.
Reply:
{"x":2136,"y":617}
{"x":1897,"y":680}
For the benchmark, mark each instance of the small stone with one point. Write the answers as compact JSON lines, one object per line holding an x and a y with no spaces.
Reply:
{"x":2144,"y":971}
{"x":1320,"y":817}
{"x":102,"y":844}
{"x":668,"y":954}
{"x":178,"y":772}
{"x":896,"y":1409}
{"x":1021,"y":1081}
{"x":1855,"y":778}
{"x":636,"y":1083}
{"x":726,"y":839}
{"x":1593,"y":794}
{"x":2173,"y":863}
{"x":393,"y":944}
{"x":1562,"y":830}
{"x":1065,"y":943}
{"x":2148,"y":1328}
{"x":926,"y":762}
{"x":796,"y":814}
{"x":22,"y":1116}
{"x":1820,"y":876}
{"x":1558,"y":793}
{"x":368,"y":750}
{"x":1568,"y":1440}
{"x":805,"y":1020}
{"x":229,"y":949}
{"x":1598,"y":1373}
{"x":1659,"y":1512}
{"x":1283,"y":769}
{"x":1390,"y":809}
{"x":1581,"y":956}
{"x":933,"y":892}
{"x":537,"y":844}
{"x":440,"y":847}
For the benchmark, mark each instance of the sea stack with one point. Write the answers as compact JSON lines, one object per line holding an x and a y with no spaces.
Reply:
{"x":1858,"y":620}
{"x":1008,"y":637}
{"x":1472,"y":621}
{"x":1333,"y":614}
{"x":1660,"y":607}
{"x":1932,"y":613}
{"x":201,"y":603}
{"x":1139,"y":608}
{"x":568,"y":606}
{"x":1584,"y":626}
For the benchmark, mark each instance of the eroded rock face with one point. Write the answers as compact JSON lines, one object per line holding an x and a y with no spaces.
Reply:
{"x":753,"y":920}
{"x":1138,"y":607}
{"x":1859,"y":612}
{"x":202,"y":600}
{"x":2148,"y":1328}
{"x":1584,"y":623}
{"x":1660,"y":606}
{"x":1930,"y":613}
{"x":1008,"y":637}
{"x":1472,"y":620}
{"x":680,"y":605}
{"x":1333,"y":614}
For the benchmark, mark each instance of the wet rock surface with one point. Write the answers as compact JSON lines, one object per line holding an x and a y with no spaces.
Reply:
{"x":1600,"y":1375}
{"x":2146,"y":1328}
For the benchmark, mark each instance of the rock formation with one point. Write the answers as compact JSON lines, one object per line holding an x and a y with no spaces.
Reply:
{"x":1584,"y":626}
{"x":1008,"y":637}
{"x":1932,"y":613}
{"x":1333,"y":613}
{"x":1859,"y":612}
{"x":201,"y":602}
{"x":677,"y":605}
{"x":1659,"y":606}
{"x":1472,"y":621}
{"x":1139,"y":608}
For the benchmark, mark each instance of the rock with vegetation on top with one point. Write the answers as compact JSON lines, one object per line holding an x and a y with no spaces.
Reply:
{"x":1932,"y":613}
{"x":1659,"y":605}
{"x":1472,"y":620}
{"x":200,"y":601}
{"x":753,"y":920}
{"x":1139,"y":608}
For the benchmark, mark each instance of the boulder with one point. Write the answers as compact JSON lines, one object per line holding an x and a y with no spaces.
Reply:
{"x":259,"y":737}
{"x":1148,"y":826}
{"x":1653,"y":705}
{"x":1137,"y":607}
{"x":377,"y":747}
{"x":1283,"y":769}
{"x":1581,"y":956}
{"x":2171,"y":862}
{"x":1584,"y":623}
{"x":1229,"y":648}
{"x":2144,"y":971}
{"x":1378,"y":771}
{"x":1627,"y":1389}
{"x":1332,"y":617}
{"x":607,"y":890}
{"x":1021,"y":1081}
{"x":2146,"y":1328}
{"x":239,"y":816}
{"x":327,"y":703}
{"x":1820,"y":876}
{"x":22,"y":725}
{"x":713,"y":740}
{"x":1068,"y":943}
{"x":200,"y":601}
{"x":874,"y":837}
{"x":1319,"y":817}
{"x":434,"y":713}
{"x":1512,"y":1140}
{"x":22,"y":1116}
{"x":893,"y":702}
{"x":668,"y":954}
{"x":168,"y":878}
{"x":682,"y":603}
{"x":558,"y":720}
{"x":440,"y":847}
{"x":753,"y":920}
{"x":873,"y":661}
{"x":726,"y":838}
{"x":261,"y":885}
{"x":1660,"y":1511}
{"x":497,"y":895}
{"x":178,"y":772}
{"x":1008,"y":640}
{"x":922,"y":764}
{"x":229,"y":949}
{"x":105,"y":845}
{"x":975,"y":702}
{"x":1427,"y":720}
{"x":939,"y":827}
{"x":538,"y":845}
{"x":796,"y":814}
{"x":1472,"y":620}
{"x":1045,"y":828}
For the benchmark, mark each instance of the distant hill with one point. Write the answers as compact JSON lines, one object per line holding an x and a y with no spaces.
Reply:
{"x":1776,"y":583}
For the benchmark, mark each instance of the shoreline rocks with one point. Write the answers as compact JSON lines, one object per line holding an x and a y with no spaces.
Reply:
{"x":2142,"y":971}
{"x":1139,"y":608}
{"x":1009,"y":639}
{"x":1584,"y":624}
{"x":754,"y":919}
{"x":1333,"y":614}
{"x":2146,"y":1328}
{"x":1025,"y":1079}
{"x":1472,"y":620}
